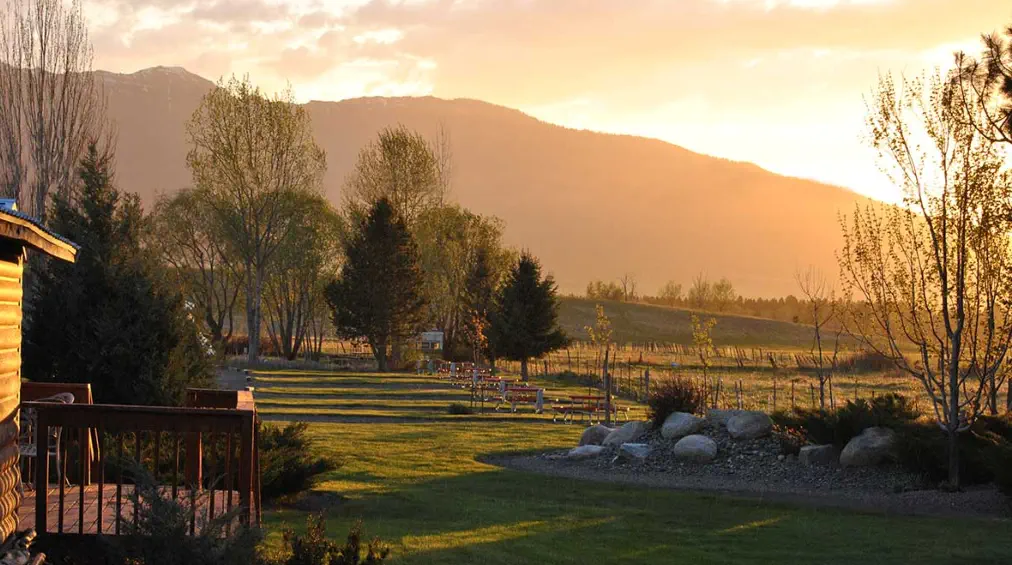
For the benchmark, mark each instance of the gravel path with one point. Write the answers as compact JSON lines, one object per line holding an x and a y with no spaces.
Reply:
{"x":755,"y":469}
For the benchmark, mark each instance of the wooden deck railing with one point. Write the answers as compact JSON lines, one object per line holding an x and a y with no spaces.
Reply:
{"x":189,"y":452}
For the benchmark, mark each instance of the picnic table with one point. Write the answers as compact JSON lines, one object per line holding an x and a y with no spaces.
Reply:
{"x":590,"y":405}
{"x":514,"y":395}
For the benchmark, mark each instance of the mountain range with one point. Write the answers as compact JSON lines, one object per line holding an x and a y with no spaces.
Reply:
{"x":589,"y":205}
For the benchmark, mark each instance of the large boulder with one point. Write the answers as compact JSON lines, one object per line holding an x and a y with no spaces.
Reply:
{"x":595,"y":434}
{"x":817,"y":455}
{"x":633,"y":451}
{"x":749,"y":424}
{"x":681,"y":424}
{"x":695,"y":448}
{"x":626,"y":434}
{"x":585,"y":452}
{"x":871,"y":447}
{"x":721,"y":417}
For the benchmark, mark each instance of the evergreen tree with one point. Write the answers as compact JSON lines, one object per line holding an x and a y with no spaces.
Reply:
{"x":108,"y":319}
{"x":378,"y":295}
{"x":524,"y":320}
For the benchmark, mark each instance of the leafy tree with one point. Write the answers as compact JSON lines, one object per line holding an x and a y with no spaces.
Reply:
{"x":378,"y":296}
{"x":524,"y":321}
{"x":296,"y":280}
{"x":702,"y":340}
{"x":254,"y":156}
{"x":403,"y":167}
{"x":191,"y":243}
{"x":109,"y":319}
{"x":722,"y":295}
{"x":601,"y":290}
{"x":452,"y":241}
{"x":701,"y":292}
{"x":670,"y":294}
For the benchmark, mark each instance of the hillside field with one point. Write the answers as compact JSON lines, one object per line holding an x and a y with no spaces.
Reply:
{"x":642,"y":323}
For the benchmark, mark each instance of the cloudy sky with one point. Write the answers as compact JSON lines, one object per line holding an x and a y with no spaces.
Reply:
{"x":775,"y":82}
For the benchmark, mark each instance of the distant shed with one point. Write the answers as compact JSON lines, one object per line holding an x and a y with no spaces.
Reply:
{"x":18,"y":233}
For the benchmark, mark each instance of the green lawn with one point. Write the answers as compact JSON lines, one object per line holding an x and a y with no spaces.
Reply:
{"x":419,"y":486}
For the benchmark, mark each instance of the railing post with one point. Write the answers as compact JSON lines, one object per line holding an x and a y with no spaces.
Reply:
{"x":41,"y":470}
{"x":194,"y":459}
{"x":246,"y":466}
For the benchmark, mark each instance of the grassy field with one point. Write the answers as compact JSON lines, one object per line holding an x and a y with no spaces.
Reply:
{"x":420,"y":486}
{"x":641,"y":323}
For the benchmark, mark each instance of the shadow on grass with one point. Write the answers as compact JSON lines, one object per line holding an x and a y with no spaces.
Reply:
{"x":503,"y":516}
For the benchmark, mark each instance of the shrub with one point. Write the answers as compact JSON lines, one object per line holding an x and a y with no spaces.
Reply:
{"x":1002,"y":468}
{"x":673,"y":395}
{"x":459,"y":409}
{"x":866,"y":362}
{"x":315,"y":549}
{"x":825,"y":427}
{"x":923,"y":449}
{"x":161,"y":534}
{"x":287,"y":462}
{"x":790,"y":438}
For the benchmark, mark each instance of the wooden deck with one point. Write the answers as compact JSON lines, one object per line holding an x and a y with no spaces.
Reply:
{"x":72,"y":516}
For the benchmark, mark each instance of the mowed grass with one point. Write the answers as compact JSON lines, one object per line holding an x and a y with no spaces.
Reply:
{"x":421,"y":486}
{"x":346,"y":395}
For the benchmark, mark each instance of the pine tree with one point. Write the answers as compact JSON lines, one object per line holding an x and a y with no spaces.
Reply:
{"x":524,"y":320}
{"x":378,"y":293}
{"x":108,"y":319}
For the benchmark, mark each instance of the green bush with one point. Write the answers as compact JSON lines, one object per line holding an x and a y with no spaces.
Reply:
{"x":923,"y":449}
{"x":459,"y":409}
{"x":673,"y":395}
{"x":161,"y":534}
{"x":288,"y":464}
{"x":839,"y":427}
{"x":315,"y":549}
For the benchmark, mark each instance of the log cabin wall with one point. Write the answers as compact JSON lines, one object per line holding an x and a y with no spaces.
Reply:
{"x":11,"y":276}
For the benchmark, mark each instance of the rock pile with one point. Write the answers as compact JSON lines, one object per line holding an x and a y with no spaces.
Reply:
{"x":740,"y":446}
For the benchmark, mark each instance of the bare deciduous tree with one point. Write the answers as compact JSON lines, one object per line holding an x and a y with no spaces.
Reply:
{"x":628,"y":281}
{"x":255,"y":156}
{"x":51,"y":107}
{"x":931,"y":277}
{"x":821,"y":303}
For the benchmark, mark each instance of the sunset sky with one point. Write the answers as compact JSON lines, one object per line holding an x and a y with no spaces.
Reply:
{"x":775,"y":82}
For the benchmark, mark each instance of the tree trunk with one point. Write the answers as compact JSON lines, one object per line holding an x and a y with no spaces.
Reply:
{"x":953,"y":459}
{"x":379,"y":351}
{"x":992,"y":396}
{"x":253,"y":287}
{"x":523,"y":369}
{"x":607,"y":391}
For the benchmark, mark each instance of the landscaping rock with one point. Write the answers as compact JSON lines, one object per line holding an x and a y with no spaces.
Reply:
{"x":627,"y":433}
{"x":585,"y":452}
{"x":817,"y":455}
{"x":871,"y":447}
{"x":721,"y":417}
{"x":633,"y":451}
{"x":749,"y":425}
{"x":695,"y":448}
{"x":681,"y":424}
{"x":595,"y":434}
